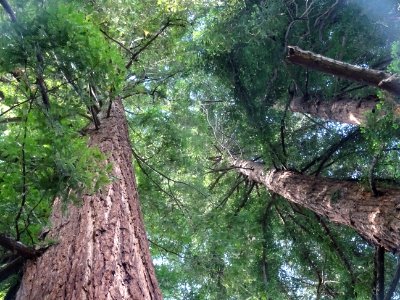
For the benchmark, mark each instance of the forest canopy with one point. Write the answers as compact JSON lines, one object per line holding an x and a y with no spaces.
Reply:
{"x":265,"y":138}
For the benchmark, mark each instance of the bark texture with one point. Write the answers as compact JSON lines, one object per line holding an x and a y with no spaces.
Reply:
{"x":348,"y":203}
{"x":345,"y":110}
{"x":102,"y":250}
{"x":383,"y":80}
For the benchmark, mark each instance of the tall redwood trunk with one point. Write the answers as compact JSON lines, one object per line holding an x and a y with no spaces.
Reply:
{"x":102,"y":251}
{"x":344,"y":202}
{"x":348,"y":111}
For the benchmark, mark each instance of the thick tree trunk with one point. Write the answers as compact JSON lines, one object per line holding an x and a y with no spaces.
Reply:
{"x":348,"y":203}
{"x":383,"y":80}
{"x":102,"y":251}
{"x":346,"y":110}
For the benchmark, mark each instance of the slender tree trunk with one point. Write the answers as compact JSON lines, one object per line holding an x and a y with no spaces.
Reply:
{"x":102,"y":251}
{"x":380,"y":272}
{"x":343,"y":202}
{"x":383,"y":80}
{"x":346,"y":110}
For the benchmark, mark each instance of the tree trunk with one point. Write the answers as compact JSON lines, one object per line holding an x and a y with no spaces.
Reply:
{"x":345,"y":110}
{"x":348,"y":203}
{"x":383,"y":80}
{"x":101,"y":249}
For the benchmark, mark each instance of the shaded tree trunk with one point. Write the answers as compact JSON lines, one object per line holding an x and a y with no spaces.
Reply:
{"x":377,"y":78}
{"x":344,"y":202}
{"x":102,"y":251}
{"x":346,"y":110}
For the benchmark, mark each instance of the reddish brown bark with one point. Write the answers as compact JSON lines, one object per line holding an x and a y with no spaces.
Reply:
{"x":383,"y":80}
{"x":102,"y":251}
{"x":344,"y":202}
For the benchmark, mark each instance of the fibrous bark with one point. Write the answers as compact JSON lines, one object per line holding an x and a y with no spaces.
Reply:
{"x":377,"y":78}
{"x":345,"y":110}
{"x":344,"y":202}
{"x":101,"y":249}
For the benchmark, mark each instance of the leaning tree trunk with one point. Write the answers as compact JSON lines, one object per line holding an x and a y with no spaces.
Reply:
{"x":101,"y":249}
{"x":348,"y":203}
{"x":350,"y":111}
{"x":383,"y":80}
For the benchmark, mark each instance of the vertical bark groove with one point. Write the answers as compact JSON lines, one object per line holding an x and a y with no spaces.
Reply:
{"x":102,"y":250}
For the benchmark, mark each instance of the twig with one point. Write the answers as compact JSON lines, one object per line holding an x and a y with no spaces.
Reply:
{"x":165,"y":249}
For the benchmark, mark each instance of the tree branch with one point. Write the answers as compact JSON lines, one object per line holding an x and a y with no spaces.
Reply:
{"x":13,"y":245}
